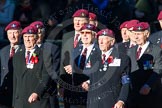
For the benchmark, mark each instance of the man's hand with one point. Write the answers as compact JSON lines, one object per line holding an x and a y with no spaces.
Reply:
{"x":85,"y":85}
{"x":33,"y":97}
{"x":119,"y":104}
{"x":68,"y":69}
{"x":145,"y":90}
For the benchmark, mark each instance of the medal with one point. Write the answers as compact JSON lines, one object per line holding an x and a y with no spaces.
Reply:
{"x":105,"y":68}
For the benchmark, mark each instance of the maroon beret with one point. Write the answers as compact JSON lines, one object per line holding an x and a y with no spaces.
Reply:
{"x":89,"y":27}
{"x":106,"y":32}
{"x":160,"y":16}
{"x":141,"y":26}
{"x":132,"y":23}
{"x":92,"y":16}
{"x":124,"y":25}
{"x":13,"y":25}
{"x":81,"y":13}
{"x":37,"y":24}
{"x":30,"y":30}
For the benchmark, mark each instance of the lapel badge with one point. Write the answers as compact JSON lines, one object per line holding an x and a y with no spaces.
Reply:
{"x":105,"y":68}
{"x":148,"y":50}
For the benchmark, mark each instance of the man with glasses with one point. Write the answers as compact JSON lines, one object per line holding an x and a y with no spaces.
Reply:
{"x":84,"y":58}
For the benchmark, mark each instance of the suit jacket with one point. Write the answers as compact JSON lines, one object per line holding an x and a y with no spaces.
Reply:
{"x":74,"y":91}
{"x":66,"y":51}
{"x":83,"y":74}
{"x":156,"y":38}
{"x":106,"y":86}
{"x":6,"y":77}
{"x":51,"y":56}
{"x":27,"y":81}
{"x":146,"y":70}
{"x":123,"y":47}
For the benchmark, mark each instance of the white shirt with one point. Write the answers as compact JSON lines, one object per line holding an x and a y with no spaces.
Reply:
{"x":31,"y":53}
{"x":144,"y":47}
{"x":39,"y":45}
{"x":16,"y":47}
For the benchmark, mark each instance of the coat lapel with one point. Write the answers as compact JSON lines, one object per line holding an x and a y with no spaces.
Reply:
{"x":22,"y":60}
{"x":111,"y":69}
{"x":148,"y":49}
{"x":132,"y":54}
{"x":7,"y":54}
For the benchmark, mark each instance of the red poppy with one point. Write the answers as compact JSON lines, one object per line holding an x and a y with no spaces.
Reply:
{"x":34,"y":59}
{"x":110,"y":59}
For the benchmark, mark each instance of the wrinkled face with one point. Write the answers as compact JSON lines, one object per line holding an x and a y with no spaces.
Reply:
{"x":141,"y":37}
{"x":105,"y":43}
{"x":13,"y":36}
{"x":29,"y":40}
{"x":87,"y":36}
{"x":124,"y":33}
{"x":79,"y":22}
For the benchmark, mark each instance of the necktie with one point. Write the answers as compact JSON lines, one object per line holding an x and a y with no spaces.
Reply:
{"x":103,"y":58}
{"x":138,"y":53}
{"x":76,"y":40}
{"x":83,"y":58}
{"x":28,"y":57}
{"x":12,"y":52}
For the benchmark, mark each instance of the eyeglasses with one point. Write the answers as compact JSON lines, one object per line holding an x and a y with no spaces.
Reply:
{"x":85,"y":32}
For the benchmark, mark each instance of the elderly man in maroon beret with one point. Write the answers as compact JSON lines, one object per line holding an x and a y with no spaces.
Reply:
{"x":146,"y":66}
{"x":51,"y":56}
{"x":127,"y":35}
{"x":156,"y":37}
{"x":30,"y":75}
{"x":84,"y":58}
{"x":109,"y":84}
{"x":13,"y":30}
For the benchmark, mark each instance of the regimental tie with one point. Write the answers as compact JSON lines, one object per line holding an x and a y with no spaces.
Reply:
{"x":83,"y":58}
{"x":12,"y":52}
{"x":28,"y":57}
{"x":76,"y":40}
{"x":103,"y":58}
{"x":138,"y":53}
